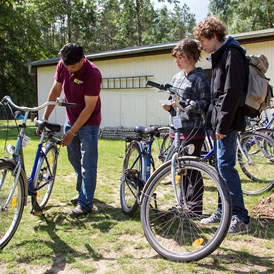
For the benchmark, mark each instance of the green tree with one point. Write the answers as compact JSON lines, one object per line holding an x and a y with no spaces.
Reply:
{"x":175,"y":25}
{"x":129,"y":23}
{"x":37,"y":29}
{"x":19,"y":44}
{"x":65,"y":21}
{"x":244,"y":15}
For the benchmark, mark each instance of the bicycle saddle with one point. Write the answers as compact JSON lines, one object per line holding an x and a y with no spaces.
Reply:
{"x":41,"y":124}
{"x":147,"y":130}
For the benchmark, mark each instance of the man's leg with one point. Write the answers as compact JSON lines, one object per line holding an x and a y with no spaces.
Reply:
{"x":226,"y":160}
{"x":88,"y":136}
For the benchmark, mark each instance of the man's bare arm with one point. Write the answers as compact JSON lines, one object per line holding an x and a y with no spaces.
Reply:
{"x":90,"y":103}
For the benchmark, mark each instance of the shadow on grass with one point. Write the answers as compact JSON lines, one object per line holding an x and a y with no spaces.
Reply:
{"x":250,"y":263}
{"x":104,"y":218}
{"x":262,"y":228}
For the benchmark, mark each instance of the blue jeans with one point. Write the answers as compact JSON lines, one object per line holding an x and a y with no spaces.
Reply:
{"x":225,"y":153}
{"x":83,"y":156}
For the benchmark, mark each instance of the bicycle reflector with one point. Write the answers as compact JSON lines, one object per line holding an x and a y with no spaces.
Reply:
{"x":13,"y":202}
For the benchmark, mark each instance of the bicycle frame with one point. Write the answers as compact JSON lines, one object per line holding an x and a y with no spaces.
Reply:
{"x":269,"y":122}
{"x":210,"y":153}
{"x":19,"y":159}
{"x":146,"y":161}
{"x":145,"y":155}
{"x":265,"y":123}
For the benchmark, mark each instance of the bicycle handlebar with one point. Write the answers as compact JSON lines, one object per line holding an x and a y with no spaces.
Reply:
{"x":167,"y":87}
{"x":59,"y":101}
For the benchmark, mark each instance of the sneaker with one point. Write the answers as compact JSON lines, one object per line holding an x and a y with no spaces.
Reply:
{"x":214,"y":218}
{"x":75,"y":200}
{"x":238,"y":227}
{"x":79,"y":211}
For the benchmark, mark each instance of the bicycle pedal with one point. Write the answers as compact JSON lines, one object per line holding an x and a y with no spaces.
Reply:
{"x":37,"y":213}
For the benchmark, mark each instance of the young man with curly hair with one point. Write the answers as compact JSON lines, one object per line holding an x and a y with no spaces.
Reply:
{"x":226,"y":113}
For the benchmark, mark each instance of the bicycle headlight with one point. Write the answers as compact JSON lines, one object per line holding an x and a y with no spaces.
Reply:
{"x":190,"y":149}
{"x":10,"y":149}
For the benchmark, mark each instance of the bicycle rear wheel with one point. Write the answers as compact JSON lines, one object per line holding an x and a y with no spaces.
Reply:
{"x":175,"y":231}
{"x":45,"y":175}
{"x":10,"y":212}
{"x":131,"y":179}
{"x":256,"y":161}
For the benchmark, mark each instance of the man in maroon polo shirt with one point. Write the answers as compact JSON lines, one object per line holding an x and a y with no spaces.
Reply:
{"x":80,"y":80}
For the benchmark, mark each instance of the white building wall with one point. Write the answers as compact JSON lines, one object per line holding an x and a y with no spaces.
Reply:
{"x":139,"y":106}
{"x":44,"y":83}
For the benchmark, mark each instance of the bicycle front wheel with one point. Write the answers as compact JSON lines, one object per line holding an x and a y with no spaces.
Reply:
{"x":175,"y":230}
{"x":131,"y":179}
{"x":45,"y":175}
{"x":256,"y":160}
{"x":11,"y":202}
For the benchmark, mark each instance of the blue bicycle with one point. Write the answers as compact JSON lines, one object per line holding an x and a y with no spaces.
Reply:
{"x":14,"y":184}
{"x":138,"y":165}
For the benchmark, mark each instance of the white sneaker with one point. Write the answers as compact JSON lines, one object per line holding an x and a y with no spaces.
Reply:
{"x":214,"y":218}
{"x":237,"y":226}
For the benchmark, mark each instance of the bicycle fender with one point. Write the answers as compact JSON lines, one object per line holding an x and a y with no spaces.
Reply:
{"x":135,"y":142}
{"x":22,"y":174}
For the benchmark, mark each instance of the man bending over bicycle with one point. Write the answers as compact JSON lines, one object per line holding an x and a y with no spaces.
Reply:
{"x":80,"y":80}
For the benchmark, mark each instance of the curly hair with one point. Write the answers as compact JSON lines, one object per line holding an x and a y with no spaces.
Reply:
{"x":209,"y":27}
{"x":187,"y":47}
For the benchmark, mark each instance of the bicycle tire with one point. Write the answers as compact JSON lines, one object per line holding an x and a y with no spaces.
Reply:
{"x":165,"y":146}
{"x":45,"y":175}
{"x":174,"y":232}
{"x":156,"y":153}
{"x":257,"y":163}
{"x":268,"y":131}
{"x":130,"y":181}
{"x":11,"y":213}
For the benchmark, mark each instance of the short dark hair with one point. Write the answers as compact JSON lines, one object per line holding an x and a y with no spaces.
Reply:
{"x":209,"y":27}
{"x":188,"y":48}
{"x":71,"y":53}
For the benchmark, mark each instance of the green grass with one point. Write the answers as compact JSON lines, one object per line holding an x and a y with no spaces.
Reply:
{"x":107,"y":241}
